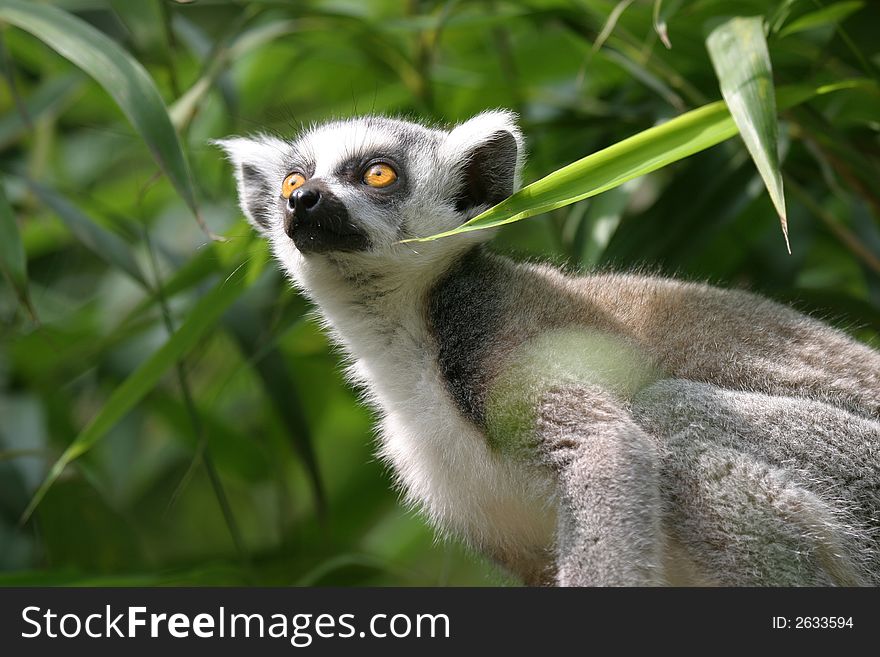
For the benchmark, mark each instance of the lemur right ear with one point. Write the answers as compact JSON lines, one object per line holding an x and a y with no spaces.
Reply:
{"x":490,"y":151}
{"x":257,"y":174}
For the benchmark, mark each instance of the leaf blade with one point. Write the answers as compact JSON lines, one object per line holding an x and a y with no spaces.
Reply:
{"x":47,"y":99}
{"x":660,"y":26}
{"x":245,"y":323}
{"x":122,"y":76}
{"x":708,"y":125}
{"x":205,"y":314}
{"x":739,"y":54}
{"x":106,"y":245}
{"x":13,"y":262}
{"x":612,"y":166}
{"x":185,"y":107}
{"x":830,"y":15}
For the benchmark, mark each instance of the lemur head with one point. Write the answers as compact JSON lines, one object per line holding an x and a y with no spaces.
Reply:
{"x":351,"y":190}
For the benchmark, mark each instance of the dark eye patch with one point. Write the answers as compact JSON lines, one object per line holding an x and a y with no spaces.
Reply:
{"x":351,"y":171}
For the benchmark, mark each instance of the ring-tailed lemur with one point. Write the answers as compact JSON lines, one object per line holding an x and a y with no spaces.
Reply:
{"x":602,"y":429}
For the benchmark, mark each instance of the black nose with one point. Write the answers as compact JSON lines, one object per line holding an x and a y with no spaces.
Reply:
{"x":304,"y":200}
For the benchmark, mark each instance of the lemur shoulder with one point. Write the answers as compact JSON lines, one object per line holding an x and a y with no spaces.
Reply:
{"x":608,"y":429}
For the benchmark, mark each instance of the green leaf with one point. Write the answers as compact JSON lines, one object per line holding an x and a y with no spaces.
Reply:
{"x":610,"y":24}
{"x":830,"y":15}
{"x":606,"y":169}
{"x":145,"y":23}
{"x":214,"y":257}
{"x":186,"y":106}
{"x":660,"y":24}
{"x":12,"y":258}
{"x":738,"y":50}
{"x":109,"y":247}
{"x":119,"y":73}
{"x":314,"y":576}
{"x":630,"y":158}
{"x":776,"y":19}
{"x":249,"y":328}
{"x":203,"y":316}
{"x":48,"y":98}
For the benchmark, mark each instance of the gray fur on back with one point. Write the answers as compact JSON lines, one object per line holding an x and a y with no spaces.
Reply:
{"x":764,"y":421}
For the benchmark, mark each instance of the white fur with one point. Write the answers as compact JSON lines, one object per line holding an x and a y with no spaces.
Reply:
{"x":440,"y":460}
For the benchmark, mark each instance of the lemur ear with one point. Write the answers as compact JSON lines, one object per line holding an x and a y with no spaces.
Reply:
{"x":257,"y":174}
{"x":489,"y":150}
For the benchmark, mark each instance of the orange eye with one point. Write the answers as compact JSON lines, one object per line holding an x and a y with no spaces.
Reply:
{"x":293,"y":182}
{"x":380,"y":175}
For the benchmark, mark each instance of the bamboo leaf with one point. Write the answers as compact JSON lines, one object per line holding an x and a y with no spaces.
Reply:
{"x":104,"y":244}
{"x":143,"y":21}
{"x":606,"y":169}
{"x":11,"y":251}
{"x":776,"y":19}
{"x":203,"y":316}
{"x":660,"y":24}
{"x":635,"y":156}
{"x":214,"y":257}
{"x":12,"y":258}
{"x":610,"y":23}
{"x":246,"y":324}
{"x":119,"y":73}
{"x":830,"y":15}
{"x":47,"y":99}
{"x":738,"y":50}
{"x":185,"y":106}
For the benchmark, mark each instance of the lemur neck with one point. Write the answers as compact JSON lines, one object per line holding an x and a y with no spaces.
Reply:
{"x":373,"y":308}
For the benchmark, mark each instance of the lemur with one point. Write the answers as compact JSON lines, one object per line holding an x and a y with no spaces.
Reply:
{"x":603,"y":429}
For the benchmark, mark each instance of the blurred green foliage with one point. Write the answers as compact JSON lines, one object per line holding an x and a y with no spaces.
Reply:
{"x":241,"y":456}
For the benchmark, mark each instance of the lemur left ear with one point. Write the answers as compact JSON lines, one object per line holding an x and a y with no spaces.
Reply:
{"x":490,"y":151}
{"x":257,"y":173}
